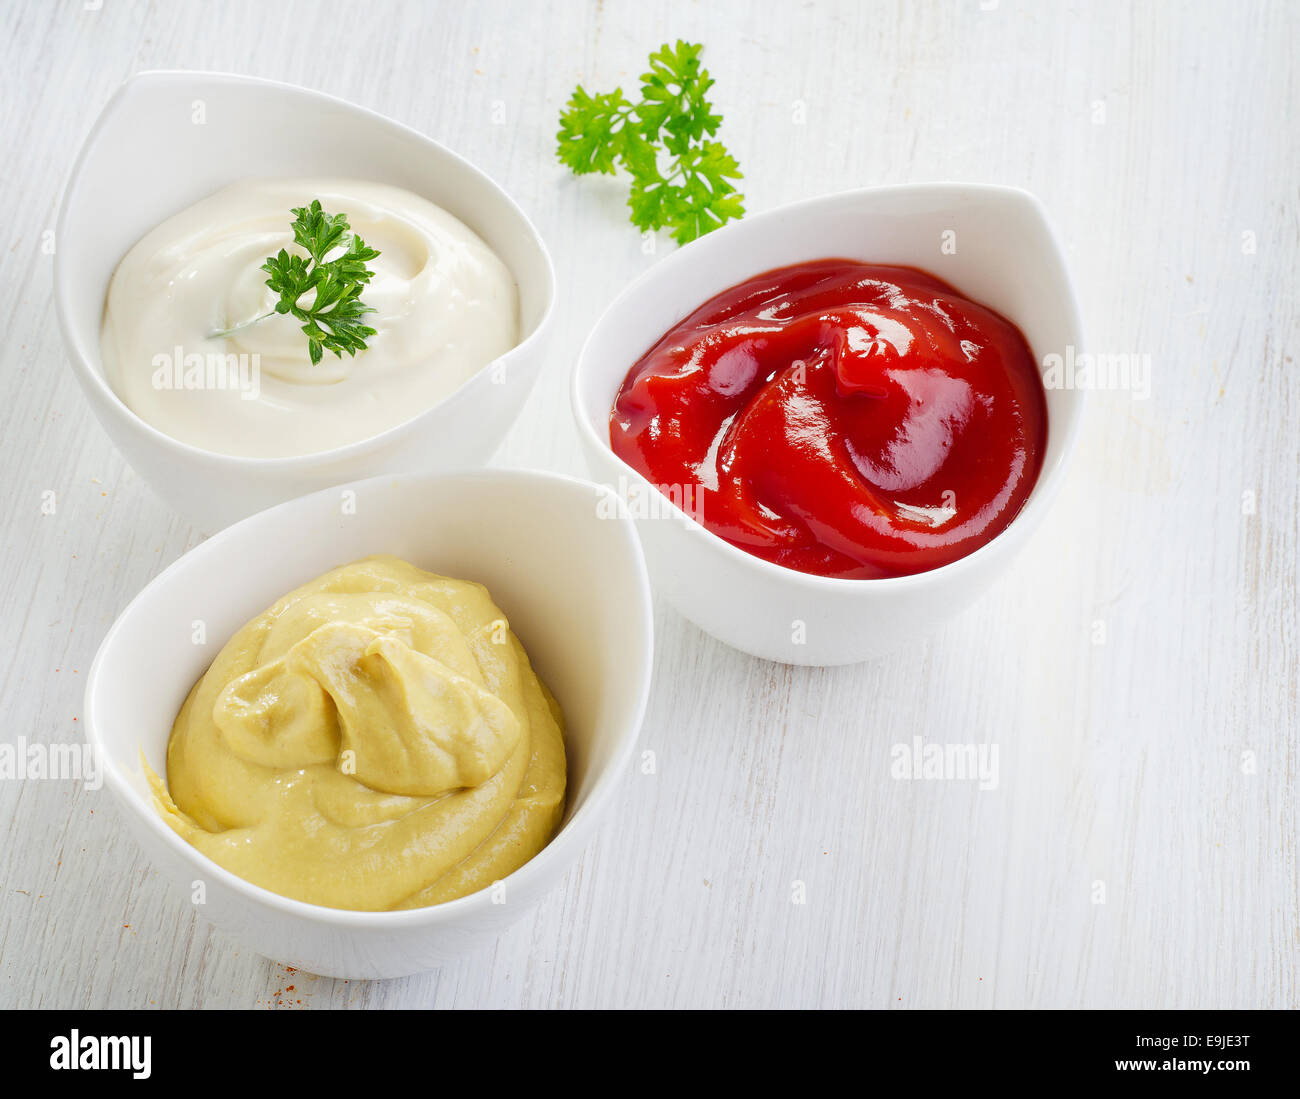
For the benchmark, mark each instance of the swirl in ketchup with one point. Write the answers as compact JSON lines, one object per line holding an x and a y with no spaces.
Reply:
{"x":840,"y":418}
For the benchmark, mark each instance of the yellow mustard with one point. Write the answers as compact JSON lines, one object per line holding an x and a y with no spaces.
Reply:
{"x":375,"y":740}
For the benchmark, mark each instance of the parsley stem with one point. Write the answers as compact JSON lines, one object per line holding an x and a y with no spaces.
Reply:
{"x":239,"y":327}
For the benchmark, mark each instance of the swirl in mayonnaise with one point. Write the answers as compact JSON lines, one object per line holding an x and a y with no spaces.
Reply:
{"x":444,"y":307}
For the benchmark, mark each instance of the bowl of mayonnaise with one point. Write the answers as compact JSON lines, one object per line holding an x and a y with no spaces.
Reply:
{"x":264,"y":290}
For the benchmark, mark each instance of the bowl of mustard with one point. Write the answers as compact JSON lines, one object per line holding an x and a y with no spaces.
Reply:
{"x":366,"y":730}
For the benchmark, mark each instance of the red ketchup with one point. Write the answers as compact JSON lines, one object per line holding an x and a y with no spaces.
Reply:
{"x":840,"y":418}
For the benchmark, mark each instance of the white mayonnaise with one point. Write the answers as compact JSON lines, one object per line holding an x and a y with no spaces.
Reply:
{"x":445,"y":306}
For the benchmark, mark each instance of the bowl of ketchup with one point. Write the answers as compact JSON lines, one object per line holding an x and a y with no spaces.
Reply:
{"x":829,"y":420}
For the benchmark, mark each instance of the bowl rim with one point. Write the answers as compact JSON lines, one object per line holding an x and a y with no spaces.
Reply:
{"x":88,"y":376}
{"x":1049,"y":479}
{"x":567,"y":843}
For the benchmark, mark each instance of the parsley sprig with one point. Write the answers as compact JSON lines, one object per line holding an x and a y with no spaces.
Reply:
{"x":680,"y":177}
{"x":331,"y":321}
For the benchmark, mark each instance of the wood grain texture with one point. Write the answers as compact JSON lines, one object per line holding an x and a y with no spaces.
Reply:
{"x":1154,"y":771}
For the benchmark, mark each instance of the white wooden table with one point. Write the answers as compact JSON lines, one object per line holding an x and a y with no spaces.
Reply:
{"x":1137,"y":670}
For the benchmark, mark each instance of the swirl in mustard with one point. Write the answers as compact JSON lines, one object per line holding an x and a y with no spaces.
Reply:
{"x":375,"y":740}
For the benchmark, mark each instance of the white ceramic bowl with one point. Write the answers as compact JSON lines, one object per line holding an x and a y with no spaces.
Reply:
{"x":1006,"y":257}
{"x":146,"y":158}
{"x":574,"y":588}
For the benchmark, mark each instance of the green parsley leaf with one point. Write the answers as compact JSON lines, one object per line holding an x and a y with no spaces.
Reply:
{"x":589,"y":129}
